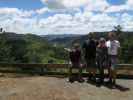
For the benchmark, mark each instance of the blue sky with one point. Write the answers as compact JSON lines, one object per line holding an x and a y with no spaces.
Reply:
{"x":65,"y":16}
{"x":24,"y":4}
{"x":116,"y":2}
{"x":34,"y":4}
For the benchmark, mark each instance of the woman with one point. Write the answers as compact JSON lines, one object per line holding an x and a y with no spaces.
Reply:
{"x":102,"y":58}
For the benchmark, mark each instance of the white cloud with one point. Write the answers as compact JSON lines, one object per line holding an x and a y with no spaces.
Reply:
{"x":42,"y":10}
{"x":80,"y":23}
{"x":97,"y":5}
{"x":61,"y":4}
{"x":118,"y":8}
{"x":67,"y":17}
{"x":130,"y":2}
{"x":16,"y":12}
{"x":127,"y":22}
{"x":90,"y":5}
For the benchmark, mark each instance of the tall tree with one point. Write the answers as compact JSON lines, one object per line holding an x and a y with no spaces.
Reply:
{"x":5,"y":51}
{"x":118,"y":30}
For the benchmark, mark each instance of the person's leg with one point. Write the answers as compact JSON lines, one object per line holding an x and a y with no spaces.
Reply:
{"x":101,"y":74}
{"x":80,"y":75}
{"x":99,"y":69}
{"x":114,"y":77}
{"x":70,"y":74}
{"x":110,"y":69}
{"x":110,"y":75}
{"x":112,"y":80}
{"x":80,"y":72}
{"x":93,"y":69}
{"x":88,"y":69}
{"x":114,"y":70}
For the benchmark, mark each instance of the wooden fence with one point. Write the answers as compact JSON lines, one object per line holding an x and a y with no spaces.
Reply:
{"x":53,"y":69}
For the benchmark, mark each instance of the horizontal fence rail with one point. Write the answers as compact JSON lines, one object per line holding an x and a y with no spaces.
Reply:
{"x":50,"y":69}
{"x":53,"y":65}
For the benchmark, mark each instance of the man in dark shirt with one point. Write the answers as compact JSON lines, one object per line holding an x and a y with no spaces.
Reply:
{"x":89,"y":50}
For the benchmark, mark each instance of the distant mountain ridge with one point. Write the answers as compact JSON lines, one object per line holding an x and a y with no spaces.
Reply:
{"x":59,"y":36}
{"x":68,"y":39}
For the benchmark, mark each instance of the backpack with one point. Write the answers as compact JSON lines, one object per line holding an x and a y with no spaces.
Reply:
{"x":90,"y":48}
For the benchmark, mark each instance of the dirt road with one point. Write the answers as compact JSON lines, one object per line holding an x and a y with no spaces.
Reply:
{"x":50,"y":88}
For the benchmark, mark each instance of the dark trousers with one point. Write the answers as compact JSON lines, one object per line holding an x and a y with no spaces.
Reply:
{"x":101,"y":70}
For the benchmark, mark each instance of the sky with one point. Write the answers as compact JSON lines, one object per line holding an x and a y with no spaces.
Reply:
{"x":43,"y":17}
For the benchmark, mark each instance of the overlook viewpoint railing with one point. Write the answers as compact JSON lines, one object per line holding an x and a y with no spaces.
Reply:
{"x":56,"y":69}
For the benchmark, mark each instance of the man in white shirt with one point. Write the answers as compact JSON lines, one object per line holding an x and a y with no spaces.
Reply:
{"x":113,"y":46}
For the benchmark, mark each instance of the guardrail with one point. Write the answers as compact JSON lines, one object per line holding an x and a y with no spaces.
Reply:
{"x":43,"y":69}
{"x":27,"y":65}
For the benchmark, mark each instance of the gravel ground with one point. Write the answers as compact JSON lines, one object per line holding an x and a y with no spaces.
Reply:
{"x":51,"y":88}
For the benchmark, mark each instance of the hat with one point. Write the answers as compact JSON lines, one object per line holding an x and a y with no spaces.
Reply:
{"x":76,"y":45}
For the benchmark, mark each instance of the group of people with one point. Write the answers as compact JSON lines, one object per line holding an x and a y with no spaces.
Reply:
{"x":98,"y":55}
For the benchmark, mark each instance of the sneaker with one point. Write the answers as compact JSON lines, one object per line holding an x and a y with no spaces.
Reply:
{"x":71,"y":80}
{"x":114,"y":82}
{"x":80,"y":80}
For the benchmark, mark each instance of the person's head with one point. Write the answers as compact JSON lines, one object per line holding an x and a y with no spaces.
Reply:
{"x":111,"y":35}
{"x":91,"y":35}
{"x":102,"y":40}
{"x":76,"y":46}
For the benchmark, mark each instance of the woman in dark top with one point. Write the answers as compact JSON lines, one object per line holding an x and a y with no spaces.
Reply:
{"x":75,"y":58}
{"x":102,"y":57}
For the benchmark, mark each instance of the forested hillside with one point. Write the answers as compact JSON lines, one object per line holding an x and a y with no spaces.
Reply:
{"x":29,"y":48}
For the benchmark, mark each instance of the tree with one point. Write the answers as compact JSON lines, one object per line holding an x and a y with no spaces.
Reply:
{"x":5,"y":51}
{"x":118,"y":30}
{"x":1,"y":29}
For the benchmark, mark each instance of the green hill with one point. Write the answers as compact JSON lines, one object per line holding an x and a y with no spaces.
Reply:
{"x":29,"y":48}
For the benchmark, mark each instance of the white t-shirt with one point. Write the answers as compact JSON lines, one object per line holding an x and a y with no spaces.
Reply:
{"x":113,"y":47}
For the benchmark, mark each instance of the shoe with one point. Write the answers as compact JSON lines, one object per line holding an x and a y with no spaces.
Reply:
{"x":80,"y":80}
{"x":114,"y":82}
{"x":71,"y":80}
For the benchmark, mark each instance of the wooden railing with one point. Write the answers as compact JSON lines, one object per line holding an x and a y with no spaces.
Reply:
{"x":27,"y":65}
{"x":46,"y":68}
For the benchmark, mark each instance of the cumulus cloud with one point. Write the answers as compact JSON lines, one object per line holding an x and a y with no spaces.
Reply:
{"x":119,"y":8}
{"x":130,"y":2}
{"x":79,"y":23}
{"x":16,"y":11}
{"x":90,"y":5}
{"x":61,"y":4}
{"x":42,"y":10}
{"x":65,"y":16}
{"x":97,"y":5}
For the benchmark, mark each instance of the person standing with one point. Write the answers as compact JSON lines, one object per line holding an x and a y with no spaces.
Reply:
{"x":113,"y":46}
{"x":89,"y":51}
{"x":102,"y":58}
{"x":75,"y":58}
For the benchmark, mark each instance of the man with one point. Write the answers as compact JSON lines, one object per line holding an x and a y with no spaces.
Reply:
{"x":113,"y":46}
{"x":89,"y":50}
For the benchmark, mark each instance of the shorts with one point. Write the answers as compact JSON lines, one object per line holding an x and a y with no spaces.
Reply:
{"x":76,"y":65}
{"x":90,"y":63}
{"x":102,"y":64}
{"x":113,"y":60}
